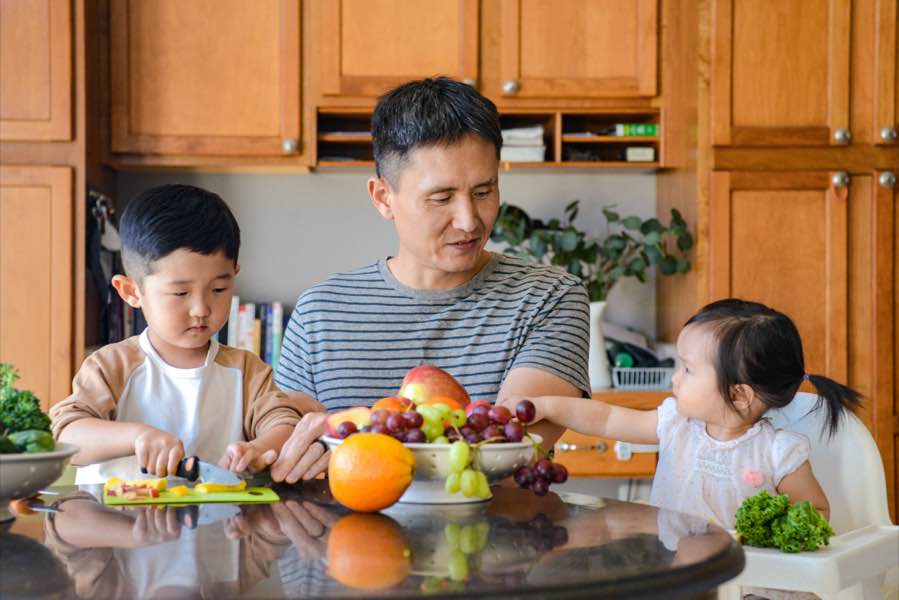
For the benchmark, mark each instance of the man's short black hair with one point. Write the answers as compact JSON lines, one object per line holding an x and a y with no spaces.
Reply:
{"x":425,"y":113}
{"x":169,"y":217}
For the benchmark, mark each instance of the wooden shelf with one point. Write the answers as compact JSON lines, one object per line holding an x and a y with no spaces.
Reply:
{"x":612,"y":164}
{"x":345,"y":138}
{"x":606,"y":139}
{"x":331,"y":164}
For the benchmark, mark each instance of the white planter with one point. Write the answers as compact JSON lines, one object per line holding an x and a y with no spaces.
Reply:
{"x":598,"y":362}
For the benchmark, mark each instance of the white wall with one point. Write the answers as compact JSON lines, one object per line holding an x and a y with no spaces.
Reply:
{"x":299,"y":228}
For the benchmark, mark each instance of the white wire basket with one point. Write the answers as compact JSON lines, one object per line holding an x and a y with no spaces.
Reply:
{"x":642,"y":378}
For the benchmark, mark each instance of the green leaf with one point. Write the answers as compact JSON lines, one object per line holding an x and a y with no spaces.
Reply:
{"x":632,"y":223}
{"x":538,"y":246}
{"x":554,"y":224}
{"x":574,"y":267}
{"x":597,"y":291}
{"x":653,"y":254}
{"x":617,"y":273}
{"x":567,"y":241}
{"x":683,"y":265}
{"x":685,"y":241}
{"x":652,"y":238}
{"x":637,"y":265}
{"x":611,"y":215}
{"x":651,"y":225}
{"x":677,"y":220}
{"x":668,"y":265}
{"x":572,"y":205}
{"x":616,"y":242}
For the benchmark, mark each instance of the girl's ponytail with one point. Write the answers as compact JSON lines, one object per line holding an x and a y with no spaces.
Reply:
{"x":837,"y":398}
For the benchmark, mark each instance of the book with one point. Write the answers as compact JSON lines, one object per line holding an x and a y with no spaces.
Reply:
{"x":277,"y":321}
{"x":630,"y":129}
{"x":247,"y":317}
{"x":522,"y":153}
{"x":640,"y":154}
{"x":233,"y":324}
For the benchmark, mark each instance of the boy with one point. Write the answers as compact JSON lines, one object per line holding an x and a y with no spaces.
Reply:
{"x":173,"y":391}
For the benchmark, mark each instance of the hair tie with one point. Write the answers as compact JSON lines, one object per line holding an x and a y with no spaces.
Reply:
{"x":805,"y":377}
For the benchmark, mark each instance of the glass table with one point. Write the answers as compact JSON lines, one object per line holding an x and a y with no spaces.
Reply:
{"x":308,"y":546}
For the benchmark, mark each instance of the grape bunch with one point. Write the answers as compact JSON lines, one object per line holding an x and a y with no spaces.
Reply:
{"x":542,"y":472}
{"x":463,"y":477}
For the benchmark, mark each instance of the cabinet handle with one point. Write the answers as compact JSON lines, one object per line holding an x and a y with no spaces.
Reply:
{"x":888,"y":134}
{"x":887,"y":179}
{"x":840,"y":179}
{"x":566,"y":447}
{"x":289,"y":145}
{"x":842,"y":135}
{"x":470,"y":81}
{"x":510,"y":86}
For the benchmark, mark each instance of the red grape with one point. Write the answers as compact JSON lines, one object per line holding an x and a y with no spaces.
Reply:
{"x":481,"y":409}
{"x":379,"y":428}
{"x":524,"y":476}
{"x":478,"y":421}
{"x":346,"y":429}
{"x":544,"y":468}
{"x":380,"y":416}
{"x":540,"y":487}
{"x":413,"y":419}
{"x":395,"y":423}
{"x":473,"y":438}
{"x":493,"y":431}
{"x":415,"y":436}
{"x":559,"y":473}
{"x":499,"y":414}
{"x":525,"y":411}
{"x":514,"y":431}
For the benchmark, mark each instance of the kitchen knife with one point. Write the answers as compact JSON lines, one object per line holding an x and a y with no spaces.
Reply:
{"x":192,"y":468}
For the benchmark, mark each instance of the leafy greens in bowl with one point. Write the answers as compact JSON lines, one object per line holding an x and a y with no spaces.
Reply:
{"x":770,"y":521}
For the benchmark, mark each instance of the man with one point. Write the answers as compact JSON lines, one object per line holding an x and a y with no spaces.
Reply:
{"x":499,"y":324}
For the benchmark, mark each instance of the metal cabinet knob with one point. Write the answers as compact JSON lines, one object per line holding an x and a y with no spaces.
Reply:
{"x":566,"y":447}
{"x":470,"y":81}
{"x":840,"y":179}
{"x":510,"y":86}
{"x":290,"y":145}
{"x":887,"y":179}
{"x":842,"y":136}
{"x":888,"y":134}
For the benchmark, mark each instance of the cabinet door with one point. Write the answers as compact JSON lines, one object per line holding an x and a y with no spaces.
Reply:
{"x":36,"y":277}
{"x":886,"y":72}
{"x":578,"y":48}
{"x":780,"y":71}
{"x":370,"y":46}
{"x":205,"y":77}
{"x":35,"y":70}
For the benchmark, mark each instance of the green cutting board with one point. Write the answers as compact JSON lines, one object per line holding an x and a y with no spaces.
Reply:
{"x":247,"y":496}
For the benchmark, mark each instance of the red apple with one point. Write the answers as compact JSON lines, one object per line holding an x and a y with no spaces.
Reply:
{"x":359,"y":416}
{"x":424,"y":382}
{"x":476,"y":404}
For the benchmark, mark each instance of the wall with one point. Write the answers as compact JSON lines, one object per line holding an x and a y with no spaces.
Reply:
{"x":299,"y":228}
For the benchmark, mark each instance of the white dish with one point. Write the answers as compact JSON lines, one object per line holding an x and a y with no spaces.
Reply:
{"x":497,"y":461}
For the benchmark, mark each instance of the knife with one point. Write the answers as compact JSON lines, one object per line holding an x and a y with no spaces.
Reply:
{"x":192,"y":468}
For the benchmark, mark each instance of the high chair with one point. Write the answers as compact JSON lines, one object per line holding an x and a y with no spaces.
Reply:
{"x":862,"y":559}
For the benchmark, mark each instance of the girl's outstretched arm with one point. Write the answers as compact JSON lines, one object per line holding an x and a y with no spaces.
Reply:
{"x":801,"y":485}
{"x":594,"y":417}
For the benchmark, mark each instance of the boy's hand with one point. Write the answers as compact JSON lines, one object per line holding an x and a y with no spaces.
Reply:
{"x":511,"y":402}
{"x":157,"y":451}
{"x":243,"y":456}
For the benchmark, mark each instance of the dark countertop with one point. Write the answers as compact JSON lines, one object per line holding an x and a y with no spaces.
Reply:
{"x":516,"y":545}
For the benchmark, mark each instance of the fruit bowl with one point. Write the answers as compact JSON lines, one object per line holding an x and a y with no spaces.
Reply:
{"x":497,"y":461}
{"x":21,"y":475}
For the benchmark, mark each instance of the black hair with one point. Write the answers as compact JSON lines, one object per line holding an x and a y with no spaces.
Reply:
{"x":427,"y":112}
{"x":760,"y":347}
{"x":166,"y":218}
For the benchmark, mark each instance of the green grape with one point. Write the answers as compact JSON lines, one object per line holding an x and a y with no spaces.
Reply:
{"x":483,"y":530}
{"x":429,"y":414}
{"x":451,"y":531}
{"x":442,"y":410}
{"x":483,"y":486}
{"x":453,"y":483}
{"x":458,"y":456}
{"x":458,"y":417}
{"x":432,"y":431}
{"x":432,"y":584}
{"x":469,"y":483}
{"x":468,"y":540}
{"x":440,"y":440}
{"x":458,"y":566}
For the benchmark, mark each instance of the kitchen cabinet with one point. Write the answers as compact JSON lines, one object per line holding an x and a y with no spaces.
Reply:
{"x":370,"y":46}
{"x":36,"y":265}
{"x":886,"y":72}
{"x":35,"y":70}
{"x":578,"y":49}
{"x":207,"y":77}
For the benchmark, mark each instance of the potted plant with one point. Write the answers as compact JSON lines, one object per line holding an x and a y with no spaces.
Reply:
{"x":631,"y":246}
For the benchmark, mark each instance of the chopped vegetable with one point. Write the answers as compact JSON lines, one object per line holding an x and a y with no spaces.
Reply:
{"x":132,"y":490}
{"x":180,"y":490}
{"x":207,"y":488}
{"x":770,"y":521}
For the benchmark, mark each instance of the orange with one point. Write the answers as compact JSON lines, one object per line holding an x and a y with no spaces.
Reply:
{"x":391,"y":403}
{"x":368,"y":552}
{"x":370,"y":471}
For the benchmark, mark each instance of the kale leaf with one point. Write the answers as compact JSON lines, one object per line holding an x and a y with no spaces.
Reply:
{"x":770,"y":521}
{"x":19,"y":409}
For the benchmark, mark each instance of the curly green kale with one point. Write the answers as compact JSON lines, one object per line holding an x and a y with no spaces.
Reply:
{"x":801,"y":529}
{"x":770,"y":521}
{"x":19,"y":409}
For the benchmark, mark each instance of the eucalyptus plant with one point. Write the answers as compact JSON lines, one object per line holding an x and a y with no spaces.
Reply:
{"x":631,"y":246}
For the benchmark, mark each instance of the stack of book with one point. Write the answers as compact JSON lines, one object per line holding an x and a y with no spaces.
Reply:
{"x":257,"y":327}
{"x":523,"y":144}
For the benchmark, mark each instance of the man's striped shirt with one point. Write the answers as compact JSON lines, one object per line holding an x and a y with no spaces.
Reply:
{"x":352,"y":338}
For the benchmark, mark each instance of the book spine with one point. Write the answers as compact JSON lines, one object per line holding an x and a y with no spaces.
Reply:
{"x":234,"y":322}
{"x":257,"y":336}
{"x":267,"y":352}
{"x":277,"y":333}
{"x":248,"y":316}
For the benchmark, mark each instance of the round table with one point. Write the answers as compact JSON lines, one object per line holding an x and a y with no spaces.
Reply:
{"x":558,"y":546}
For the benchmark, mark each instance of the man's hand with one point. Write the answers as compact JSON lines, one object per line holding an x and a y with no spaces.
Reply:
{"x":243,"y":457}
{"x":157,"y":451}
{"x":301,"y":456}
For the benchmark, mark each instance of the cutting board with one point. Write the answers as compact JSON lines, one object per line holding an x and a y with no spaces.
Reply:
{"x":248,"y":496}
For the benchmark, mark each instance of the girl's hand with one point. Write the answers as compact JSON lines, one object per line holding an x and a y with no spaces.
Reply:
{"x":540,"y":404}
{"x":241,"y":457}
{"x":158,"y":451}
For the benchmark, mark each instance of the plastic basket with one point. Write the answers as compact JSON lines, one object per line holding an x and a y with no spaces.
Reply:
{"x":642,"y":378}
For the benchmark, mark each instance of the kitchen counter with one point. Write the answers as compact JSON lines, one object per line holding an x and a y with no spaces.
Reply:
{"x":518,"y":544}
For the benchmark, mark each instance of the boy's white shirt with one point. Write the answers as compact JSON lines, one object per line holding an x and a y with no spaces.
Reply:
{"x":710,"y":478}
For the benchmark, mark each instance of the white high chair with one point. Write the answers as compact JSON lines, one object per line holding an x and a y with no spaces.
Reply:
{"x":863,"y":556}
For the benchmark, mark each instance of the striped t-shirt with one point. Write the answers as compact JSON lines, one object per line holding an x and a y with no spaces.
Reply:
{"x":352,"y":338}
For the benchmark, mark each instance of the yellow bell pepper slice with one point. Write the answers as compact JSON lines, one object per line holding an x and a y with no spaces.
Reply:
{"x":208,"y":488}
{"x":180,"y":490}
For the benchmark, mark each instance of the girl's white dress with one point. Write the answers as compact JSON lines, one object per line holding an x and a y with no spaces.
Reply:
{"x":702,"y":476}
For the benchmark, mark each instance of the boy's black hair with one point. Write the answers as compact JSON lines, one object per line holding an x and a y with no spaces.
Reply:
{"x":163,"y":219}
{"x":427,"y":112}
{"x":760,"y":347}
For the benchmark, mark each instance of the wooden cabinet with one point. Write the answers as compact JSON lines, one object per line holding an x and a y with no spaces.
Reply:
{"x":886,"y":72}
{"x":36,"y":255}
{"x":35,"y":70}
{"x":370,"y":46}
{"x":206,"y":77}
{"x":578,"y":48}
{"x":780,"y":71}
